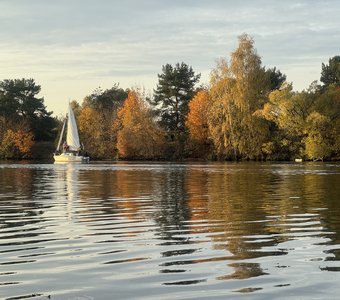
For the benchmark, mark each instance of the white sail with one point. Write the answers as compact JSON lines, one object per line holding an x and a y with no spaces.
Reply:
{"x":72,"y":138}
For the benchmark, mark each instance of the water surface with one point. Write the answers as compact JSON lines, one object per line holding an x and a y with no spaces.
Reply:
{"x":170,"y":231}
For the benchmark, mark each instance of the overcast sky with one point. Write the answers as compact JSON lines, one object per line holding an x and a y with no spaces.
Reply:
{"x":71,"y":47}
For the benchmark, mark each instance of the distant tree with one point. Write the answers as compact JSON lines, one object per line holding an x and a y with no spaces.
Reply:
{"x":303,"y":123}
{"x":90,"y":125}
{"x":276,"y":78}
{"x":197,"y":123}
{"x":328,"y":105}
{"x":8,"y":148}
{"x":330,"y":74}
{"x":108,"y":100}
{"x":16,"y":144}
{"x":138,"y":135}
{"x":286,"y":111}
{"x":76,"y":107}
{"x":96,"y":117}
{"x":238,"y":89}
{"x":18,"y":97}
{"x":175,"y":88}
{"x":19,"y":102}
{"x":319,"y":140}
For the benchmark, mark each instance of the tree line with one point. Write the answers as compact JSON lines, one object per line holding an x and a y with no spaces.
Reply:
{"x":246,"y":112}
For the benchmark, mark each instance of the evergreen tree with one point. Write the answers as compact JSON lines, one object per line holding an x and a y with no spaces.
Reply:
{"x":276,"y":78}
{"x":19,"y":103}
{"x":176,"y":87}
{"x":330,"y":73}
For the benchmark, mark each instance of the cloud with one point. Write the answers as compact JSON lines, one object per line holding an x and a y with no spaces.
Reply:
{"x":100,"y":42}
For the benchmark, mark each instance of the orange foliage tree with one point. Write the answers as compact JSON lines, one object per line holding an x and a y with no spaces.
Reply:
{"x":138,"y":135}
{"x":17,"y":144}
{"x":197,"y":124}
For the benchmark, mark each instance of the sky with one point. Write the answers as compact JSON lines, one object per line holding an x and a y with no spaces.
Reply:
{"x":72,"y":47}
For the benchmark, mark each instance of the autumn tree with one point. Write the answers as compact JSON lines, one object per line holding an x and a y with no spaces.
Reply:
{"x":89,"y":125}
{"x":175,"y":88}
{"x":19,"y":102}
{"x":327,"y":120}
{"x":24,"y":119}
{"x":197,"y":124}
{"x":138,"y":135}
{"x":95,"y":118}
{"x":319,"y":137}
{"x":286,"y":111}
{"x":238,"y":89}
{"x":304,"y":124}
{"x":16,"y":144}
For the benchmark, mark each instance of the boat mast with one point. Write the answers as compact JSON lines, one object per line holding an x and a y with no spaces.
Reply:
{"x":61,"y":135}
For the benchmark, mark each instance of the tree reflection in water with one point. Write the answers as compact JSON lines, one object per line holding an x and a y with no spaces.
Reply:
{"x":209,"y":226}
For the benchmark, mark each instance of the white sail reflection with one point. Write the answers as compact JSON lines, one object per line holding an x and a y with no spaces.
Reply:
{"x":72,"y":189}
{"x":68,"y":182}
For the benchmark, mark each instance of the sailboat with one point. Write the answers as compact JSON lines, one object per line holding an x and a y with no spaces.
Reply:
{"x":71,"y":151}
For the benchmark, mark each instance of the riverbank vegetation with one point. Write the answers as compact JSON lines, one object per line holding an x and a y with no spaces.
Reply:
{"x":246,"y":112}
{"x":24,"y":119}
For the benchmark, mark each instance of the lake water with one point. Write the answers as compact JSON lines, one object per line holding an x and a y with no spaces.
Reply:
{"x":170,"y":231}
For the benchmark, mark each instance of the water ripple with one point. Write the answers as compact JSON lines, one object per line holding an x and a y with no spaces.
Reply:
{"x":159,"y":231}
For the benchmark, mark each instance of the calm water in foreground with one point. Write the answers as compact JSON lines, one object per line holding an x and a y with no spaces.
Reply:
{"x":170,"y":231}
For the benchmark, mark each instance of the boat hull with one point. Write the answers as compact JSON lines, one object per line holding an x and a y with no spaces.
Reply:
{"x":70,"y":157}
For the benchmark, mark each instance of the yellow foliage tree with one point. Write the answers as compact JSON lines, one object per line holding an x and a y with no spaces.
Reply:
{"x":17,"y":144}
{"x":287,"y":109}
{"x":302,"y":123}
{"x":95,"y":118}
{"x":138,"y":136}
{"x":319,"y":140}
{"x":99,"y":137}
{"x":251,"y":80}
{"x":89,"y":124}
{"x":24,"y":141}
{"x":238,"y":89}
